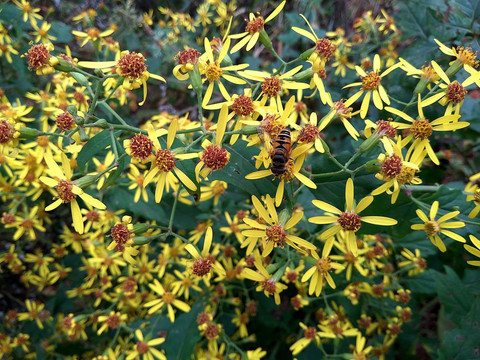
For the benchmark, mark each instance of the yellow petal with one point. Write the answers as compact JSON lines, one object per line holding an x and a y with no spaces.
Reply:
{"x":349,"y":194}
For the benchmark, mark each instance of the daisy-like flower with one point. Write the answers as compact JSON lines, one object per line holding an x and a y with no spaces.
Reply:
{"x":348,"y":220}
{"x":253,"y":30}
{"x":164,"y":165}
{"x":396,"y":170}
{"x":324,"y":48}
{"x":434,"y":227}
{"x":383,"y":131}
{"x":92,"y":34}
{"x":421,"y":129}
{"x":36,"y":312}
{"x":475,"y":251}
{"x":136,"y":183}
{"x":214,"y":157}
{"x":146,"y":349}
{"x":464,"y":56}
{"x":453,"y":92}
{"x":272,"y":85}
{"x":310,"y":334}
{"x":319,"y":274}
{"x":122,"y":239}
{"x":371,"y":86}
{"x":473,"y":194}
{"x":273,"y":229}
{"x":28,"y":13}
{"x":214,"y":72}
{"x":266,"y":282}
{"x":414,"y":260}
{"x":41,"y":33}
{"x":111,"y":321}
{"x":26,"y":225}
{"x":130,"y":67}
{"x":340,"y":110}
{"x":167,"y":298}
{"x":205,"y":263}
{"x":68,"y":190}
{"x":7,"y":50}
{"x":40,"y":60}
{"x":310,"y":133}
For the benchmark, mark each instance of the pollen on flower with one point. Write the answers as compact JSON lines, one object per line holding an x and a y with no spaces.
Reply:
{"x":308,"y":133}
{"x":349,"y":221}
{"x":165,"y":160}
{"x":93,"y":32}
{"x":65,"y":121}
{"x":455,"y":92}
{"x":215,"y":157}
{"x":325,"y":48}
{"x":211,"y":332}
{"x":385,"y":129}
{"x":38,"y":55}
{"x":201,"y":267}
{"x":189,"y":56}
{"x":141,"y":146}
{"x":27,"y":224}
{"x":467,"y":56}
{"x":429,"y":74}
{"x":406,"y":175}
{"x":309,"y":332}
{"x":432,"y":228}
{"x":203,"y":318}
{"x":142,"y":347}
{"x":421,"y":129}
{"x":322,"y":73}
{"x":392,"y":166}
{"x":371,"y":81}
{"x":271,"y":86}
{"x":323,"y":265}
{"x":349,"y":258}
{"x":341,"y":109}
{"x":271,"y":126}
{"x":64,"y":190}
{"x":243,"y":105}
{"x":42,"y":141}
{"x":8,"y":218}
{"x":276,"y":234}
{"x":113,"y":321}
{"x":213,"y":72}
{"x":255,"y":25}
{"x":121,"y":235}
{"x":131,"y":65}
{"x":168,"y":297}
{"x":269,"y":286}
{"x":6,"y":131}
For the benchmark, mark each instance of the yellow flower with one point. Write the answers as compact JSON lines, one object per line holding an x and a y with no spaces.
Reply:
{"x":348,"y":220}
{"x":28,"y":12}
{"x":92,"y":34}
{"x":67,"y":190}
{"x":164,"y":165}
{"x":434,"y":227}
{"x":421,"y":128}
{"x":272,"y":231}
{"x":111,"y":321}
{"x":465,"y":56}
{"x":475,"y":251}
{"x":414,"y":260}
{"x":371,"y":86}
{"x":253,"y":29}
{"x":146,"y":348}
{"x":310,"y":334}
{"x":41,"y":34}
{"x":167,"y":298}
{"x":473,"y":194}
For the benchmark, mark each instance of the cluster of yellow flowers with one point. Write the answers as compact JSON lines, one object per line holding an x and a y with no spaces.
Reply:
{"x":212,"y":231}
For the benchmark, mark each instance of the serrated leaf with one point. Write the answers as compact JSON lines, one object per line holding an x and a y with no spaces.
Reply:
{"x":93,"y":146}
{"x":454,"y":295}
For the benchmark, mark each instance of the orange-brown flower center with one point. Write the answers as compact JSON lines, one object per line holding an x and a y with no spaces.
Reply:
{"x":271,"y":86}
{"x":93,"y":33}
{"x":276,"y":234}
{"x":349,"y":221}
{"x":211,"y":332}
{"x":6,"y":132}
{"x":65,"y":121}
{"x":120,"y":234}
{"x":64,"y":190}
{"x":213,"y":72}
{"x":309,"y":332}
{"x":269,"y":286}
{"x":392,"y":166}
{"x":142,"y":347}
{"x":308,"y":133}
{"x":141,"y":146}
{"x":131,"y":65}
{"x":168,"y":297}
{"x":467,"y":56}
{"x":215,"y":157}
{"x":371,"y":81}
{"x":201,"y":267}
{"x":165,"y":160}
{"x":455,"y":92}
{"x":432,"y":228}
{"x":255,"y":25}
{"x":189,"y":56}
{"x":38,"y":55}
{"x":421,"y":129}
{"x":385,"y":129}
{"x":113,"y":321}
{"x":325,"y":48}
{"x":243,"y":105}
{"x":323,"y":265}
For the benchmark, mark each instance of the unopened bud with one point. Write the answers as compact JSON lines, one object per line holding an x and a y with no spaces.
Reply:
{"x":72,"y":110}
{"x":196,"y":80}
{"x":369,"y":144}
{"x":64,"y":65}
{"x":140,"y":228}
{"x":26,"y":132}
{"x":142,"y":240}
{"x":265,"y":40}
{"x":306,"y":54}
{"x":86,"y":181}
{"x":80,"y":78}
{"x":303,"y":75}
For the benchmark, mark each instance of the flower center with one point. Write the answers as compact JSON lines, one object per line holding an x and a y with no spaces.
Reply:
{"x":271,"y":86}
{"x":131,"y":65}
{"x":27,"y":224}
{"x":349,"y":221}
{"x":349,"y":258}
{"x":421,"y":129}
{"x":456,"y":92}
{"x":211,"y":332}
{"x":309,"y":332}
{"x":38,"y":55}
{"x":270,"y":125}
{"x":120,"y":234}
{"x":371,"y":81}
{"x":92,"y":216}
{"x":385,"y":129}
{"x":93,"y":33}
{"x":201,"y":267}
{"x":113,"y":321}
{"x":432,"y":228}
{"x":243,"y":105}
{"x":308,"y":133}
{"x":142,"y":347}
{"x":6,"y":132}
{"x":269,"y":286}
{"x":341,"y":109}
{"x":141,"y":146}
{"x":65,"y":121}
{"x":392,"y":166}
{"x":8,"y":218}
{"x":189,"y":56}
{"x":276,"y":234}
{"x":325,"y":48}
{"x":165,"y":160}
{"x":64,"y":190}
{"x":79,"y":97}
{"x":219,"y":189}
{"x":168,"y":297}
{"x":406,"y":175}
{"x":323,"y":265}
{"x":477,"y":195}
{"x":467,"y":56}
{"x":215,"y":157}
{"x":255,"y":25}
{"x":213,"y":71}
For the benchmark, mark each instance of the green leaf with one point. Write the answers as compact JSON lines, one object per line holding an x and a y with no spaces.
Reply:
{"x":96,"y":144}
{"x":454,"y":295}
{"x":61,"y":31}
{"x":113,"y":176}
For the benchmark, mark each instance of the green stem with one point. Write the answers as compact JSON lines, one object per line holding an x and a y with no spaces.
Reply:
{"x":200,"y":110}
{"x":112,"y":112}
{"x":174,"y":208}
{"x":93,"y":105}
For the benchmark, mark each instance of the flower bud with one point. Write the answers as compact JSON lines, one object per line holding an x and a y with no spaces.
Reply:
{"x":140,"y":228}
{"x":306,"y":54}
{"x":83,"y":135}
{"x":303,"y":75}
{"x":196,"y":80}
{"x":80,"y":78}
{"x":86,"y":181}
{"x":369,"y":144}
{"x":265,"y":40}
{"x":142,"y":240}
{"x":26,"y":132}
{"x":72,"y":110}
{"x":249,"y":130}
{"x":64,"y":65}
